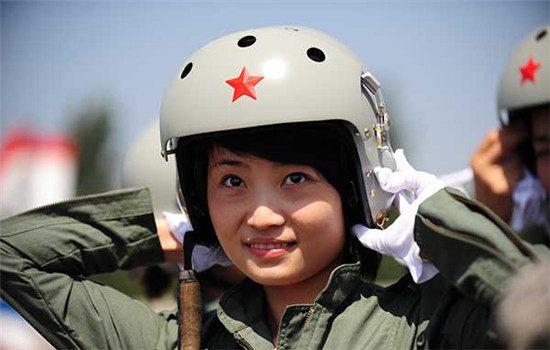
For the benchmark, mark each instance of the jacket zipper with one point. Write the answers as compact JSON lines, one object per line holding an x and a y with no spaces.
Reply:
{"x":308,"y":315}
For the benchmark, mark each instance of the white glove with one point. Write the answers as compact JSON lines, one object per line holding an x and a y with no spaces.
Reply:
{"x":398,"y":239}
{"x":203,"y":257}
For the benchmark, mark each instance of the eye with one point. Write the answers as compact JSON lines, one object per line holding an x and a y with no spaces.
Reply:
{"x":233,"y":181}
{"x":294,"y":179}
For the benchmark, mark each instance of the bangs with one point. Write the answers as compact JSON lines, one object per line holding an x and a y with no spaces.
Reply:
{"x":315,"y":146}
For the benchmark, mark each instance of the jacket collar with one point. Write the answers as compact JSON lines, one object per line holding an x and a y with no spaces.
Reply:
{"x":242,"y":309}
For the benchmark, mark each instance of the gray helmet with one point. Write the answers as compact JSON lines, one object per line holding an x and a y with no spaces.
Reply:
{"x":525,"y":81}
{"x":281,"y":75}
{"x":143,"y":167}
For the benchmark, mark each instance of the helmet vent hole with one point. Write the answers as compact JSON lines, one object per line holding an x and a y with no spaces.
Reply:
{"x":541,"y":35}
{"x":186,"y":70}
{"x":315,"y":54}
{"x":246,"y":41}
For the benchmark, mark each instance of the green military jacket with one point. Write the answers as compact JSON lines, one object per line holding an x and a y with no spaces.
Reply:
{"x":47,"y":253}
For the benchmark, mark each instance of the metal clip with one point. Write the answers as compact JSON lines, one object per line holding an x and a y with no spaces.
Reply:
{"x":382,"y":219}
{"x":169,"y":148}
{"x":379,"y":132}
{"x":188,"y":275}
{"x":371,"y":82}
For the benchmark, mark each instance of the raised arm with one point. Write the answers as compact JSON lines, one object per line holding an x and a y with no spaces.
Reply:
{"x":471,"y":245}
{"x":47,"y":253}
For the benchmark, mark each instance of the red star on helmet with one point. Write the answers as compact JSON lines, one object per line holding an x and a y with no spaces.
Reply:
{"x":529,"y":70}
{"x":244,"y":84}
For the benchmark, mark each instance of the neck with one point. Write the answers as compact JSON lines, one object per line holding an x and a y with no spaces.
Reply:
{"x":302,"y":292}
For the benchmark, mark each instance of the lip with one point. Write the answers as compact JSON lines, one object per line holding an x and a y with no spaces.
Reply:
{"x":268,"y":248}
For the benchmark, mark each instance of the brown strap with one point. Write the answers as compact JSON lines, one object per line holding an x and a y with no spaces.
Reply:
{"x":190,"y":308}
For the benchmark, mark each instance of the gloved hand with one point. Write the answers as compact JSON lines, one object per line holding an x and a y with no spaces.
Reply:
{"x":412,"y":188}
{"x":203,"y":257}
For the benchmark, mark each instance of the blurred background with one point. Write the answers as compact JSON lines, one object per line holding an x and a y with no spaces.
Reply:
{"x":82,"y":81}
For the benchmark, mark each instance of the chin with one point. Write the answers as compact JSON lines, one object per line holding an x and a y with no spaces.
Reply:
{"x":273,"y":281}
{"x":274,"y":276}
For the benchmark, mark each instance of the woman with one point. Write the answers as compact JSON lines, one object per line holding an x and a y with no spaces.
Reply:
{"x":278,"y":135}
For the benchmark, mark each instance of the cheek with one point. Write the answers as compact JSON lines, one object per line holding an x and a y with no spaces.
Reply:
{"x":225,"y":215}
{"x":320,"y":221}
{"x":220,"y":213}
{"x":214,"y":206}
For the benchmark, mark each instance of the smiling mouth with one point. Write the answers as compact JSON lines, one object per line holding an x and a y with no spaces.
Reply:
{"x":270,"y":250}
{"x":269,"y":246}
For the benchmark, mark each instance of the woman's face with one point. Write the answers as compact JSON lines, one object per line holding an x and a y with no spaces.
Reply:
{"x":279,"y":223}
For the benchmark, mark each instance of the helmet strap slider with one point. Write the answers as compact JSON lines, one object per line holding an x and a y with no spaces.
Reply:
{"x":379,"y":132}
{"x":382,"y":219}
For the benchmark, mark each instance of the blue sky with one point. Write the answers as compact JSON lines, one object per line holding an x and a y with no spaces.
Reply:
{"x":439,"y":62}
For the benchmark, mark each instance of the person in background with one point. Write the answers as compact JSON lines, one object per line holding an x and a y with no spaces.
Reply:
{"x":511,"y":166}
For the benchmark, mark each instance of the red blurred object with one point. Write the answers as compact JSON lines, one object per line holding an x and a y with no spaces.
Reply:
{"x":35,"y":169}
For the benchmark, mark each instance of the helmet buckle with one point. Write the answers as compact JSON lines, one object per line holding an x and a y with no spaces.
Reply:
{"x":380,"y":133}
{"x":382,"y":219}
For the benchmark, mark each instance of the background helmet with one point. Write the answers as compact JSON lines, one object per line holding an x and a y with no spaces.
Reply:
{"x":525,"y":81}
{"x":282,"y":75}
{"x":143,"y":167}
{"x":525,"y":86}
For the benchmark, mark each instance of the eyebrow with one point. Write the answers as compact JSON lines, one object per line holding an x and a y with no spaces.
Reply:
{"x":238,"y":163}
{"x":230,"y":162}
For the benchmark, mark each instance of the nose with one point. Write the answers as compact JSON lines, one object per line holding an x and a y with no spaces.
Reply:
{"x":264,"y":217}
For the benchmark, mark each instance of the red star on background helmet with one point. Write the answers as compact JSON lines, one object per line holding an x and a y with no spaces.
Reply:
{"x":529,"y":70}
{"x":244,"y":84}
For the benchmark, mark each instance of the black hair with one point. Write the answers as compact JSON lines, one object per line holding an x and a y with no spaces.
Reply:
{"x":325,"y":146}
